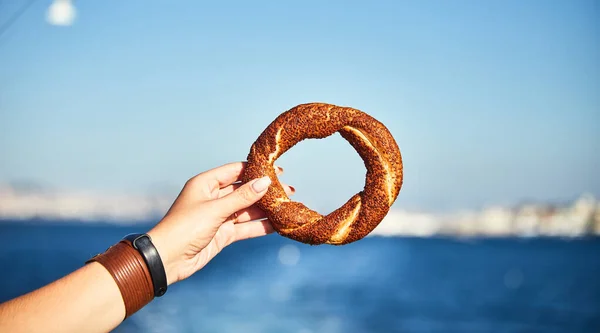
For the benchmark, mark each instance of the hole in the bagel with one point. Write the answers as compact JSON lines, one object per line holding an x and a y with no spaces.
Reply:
{"x":325,"y":172}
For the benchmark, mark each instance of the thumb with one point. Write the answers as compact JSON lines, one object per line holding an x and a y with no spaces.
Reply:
{"x":243,"y":197}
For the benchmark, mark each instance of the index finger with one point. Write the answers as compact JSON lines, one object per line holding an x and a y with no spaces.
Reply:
{"x":221,"y":176}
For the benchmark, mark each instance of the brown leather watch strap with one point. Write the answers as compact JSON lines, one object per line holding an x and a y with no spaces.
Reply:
{"x":131,"y":274}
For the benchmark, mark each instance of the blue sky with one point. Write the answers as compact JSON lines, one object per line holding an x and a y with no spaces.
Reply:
{"x":490,"y":102}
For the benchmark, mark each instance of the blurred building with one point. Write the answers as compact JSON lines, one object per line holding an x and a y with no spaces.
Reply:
{"x":579,"y":218}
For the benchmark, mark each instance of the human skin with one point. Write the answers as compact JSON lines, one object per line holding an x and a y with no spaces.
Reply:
{"x":200,"y":223}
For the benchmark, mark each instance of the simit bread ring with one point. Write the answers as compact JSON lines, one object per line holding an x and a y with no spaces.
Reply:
{"x":359,"y":215}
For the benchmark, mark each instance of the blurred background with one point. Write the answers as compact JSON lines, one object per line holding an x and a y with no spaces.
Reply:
{"x":108,"y":107}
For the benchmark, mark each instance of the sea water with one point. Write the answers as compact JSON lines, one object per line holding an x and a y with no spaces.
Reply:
{"x":393,"y":284}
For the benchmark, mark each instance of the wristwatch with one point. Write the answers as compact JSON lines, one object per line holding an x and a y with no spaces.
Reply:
{"x":143,"y":244}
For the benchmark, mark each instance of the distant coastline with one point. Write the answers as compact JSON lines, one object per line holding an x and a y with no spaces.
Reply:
{"x":579,"y":218}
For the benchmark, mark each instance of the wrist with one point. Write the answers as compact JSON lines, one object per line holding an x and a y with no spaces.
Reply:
{"x":136,"y":266}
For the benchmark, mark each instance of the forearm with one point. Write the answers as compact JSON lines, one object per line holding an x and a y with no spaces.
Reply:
{"x":87,"y":300}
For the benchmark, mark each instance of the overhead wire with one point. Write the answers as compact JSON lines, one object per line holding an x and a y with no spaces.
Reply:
{"x":15,"y":17}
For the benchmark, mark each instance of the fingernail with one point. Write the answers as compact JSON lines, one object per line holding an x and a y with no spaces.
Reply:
{"x":292,"y":189}
{"x":261,"y":184}
{"x":279,"y":169}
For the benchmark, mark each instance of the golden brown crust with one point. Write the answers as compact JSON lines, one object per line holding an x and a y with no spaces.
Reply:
{"x":359,"y":215}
